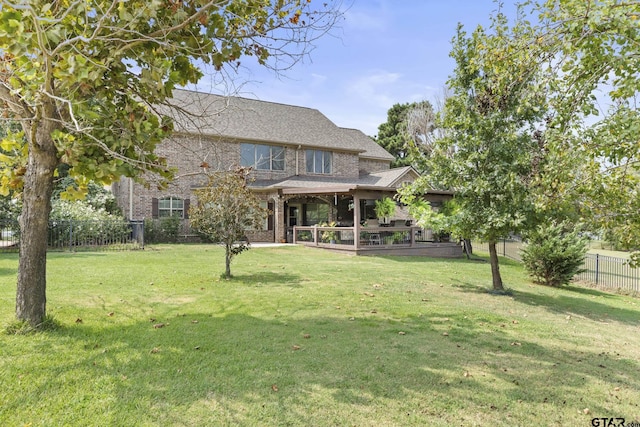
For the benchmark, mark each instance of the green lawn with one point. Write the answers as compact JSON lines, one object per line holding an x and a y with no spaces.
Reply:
{"x":303,"y":337}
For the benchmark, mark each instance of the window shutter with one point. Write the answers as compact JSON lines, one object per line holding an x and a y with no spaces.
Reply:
{"x":154,"y":208}
{"x":270,"y":217}
{"x":187,"y":203}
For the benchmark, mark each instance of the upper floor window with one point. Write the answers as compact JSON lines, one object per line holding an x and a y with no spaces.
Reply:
{"x":262,"y":157}
{"x":171,"y":206}
{"x":318,"y":161}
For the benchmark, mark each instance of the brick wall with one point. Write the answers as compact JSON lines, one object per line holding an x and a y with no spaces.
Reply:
{"x":194,"y":155}
{"x":373,"y":165}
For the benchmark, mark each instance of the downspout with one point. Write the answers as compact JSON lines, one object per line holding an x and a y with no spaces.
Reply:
{"x":130,"y":199}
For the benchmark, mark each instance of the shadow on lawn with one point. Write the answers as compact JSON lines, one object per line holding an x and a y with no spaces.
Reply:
{"x":419,"y":259}
{"x":242,"y":366}
{"x":8,"y":271}
{"x":268,"y":277}
{"x":563,"y":302}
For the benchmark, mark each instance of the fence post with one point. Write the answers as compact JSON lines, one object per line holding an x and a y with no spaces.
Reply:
{"x":597,"y":267}
{"x":504,"y":247}
{"x":70,"y":234}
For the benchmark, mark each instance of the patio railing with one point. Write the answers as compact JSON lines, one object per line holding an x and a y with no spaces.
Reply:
{"x":368,"y":237}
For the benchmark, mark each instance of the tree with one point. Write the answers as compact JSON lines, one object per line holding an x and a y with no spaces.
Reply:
{"x":83,"y":80}
{"x":593,"y":82}
{"x":226,"y":209}
{"x":487,"y":150}
{"x":395,"y":136}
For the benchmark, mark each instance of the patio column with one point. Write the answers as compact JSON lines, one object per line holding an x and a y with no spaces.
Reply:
{"x":356,"y":221}
{"x":279,"y":226}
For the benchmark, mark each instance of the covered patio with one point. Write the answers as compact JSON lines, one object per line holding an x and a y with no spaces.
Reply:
{"x":363,"y":235}
{"x":339,"y":215}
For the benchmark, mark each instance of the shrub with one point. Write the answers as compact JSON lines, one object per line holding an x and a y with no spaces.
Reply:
{"x":328,"y":235}
{"x":554,"y":254}
{"x":162,"y":230}
{"x":75,"y":222}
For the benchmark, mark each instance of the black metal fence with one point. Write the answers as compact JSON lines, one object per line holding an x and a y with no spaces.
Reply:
{"x":601,"y":270}
{"x":73,"y":235}
{"x":510,"y":248}
{"x":610,"y":272}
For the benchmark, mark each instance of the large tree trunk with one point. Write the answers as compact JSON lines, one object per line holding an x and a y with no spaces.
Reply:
{"x":495,"y":267}
{"x":34,"y":221}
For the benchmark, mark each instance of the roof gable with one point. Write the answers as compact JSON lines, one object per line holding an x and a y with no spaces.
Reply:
{"x":371,"y":148}
{"x":249,"y":119}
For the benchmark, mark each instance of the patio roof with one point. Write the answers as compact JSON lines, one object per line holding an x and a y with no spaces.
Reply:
{"x":388,"y":180}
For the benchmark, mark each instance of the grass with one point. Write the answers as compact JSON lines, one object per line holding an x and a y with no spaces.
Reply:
{"x":304,"y":337}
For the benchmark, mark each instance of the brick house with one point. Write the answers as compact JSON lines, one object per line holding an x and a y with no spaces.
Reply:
{"x":306,"y":169}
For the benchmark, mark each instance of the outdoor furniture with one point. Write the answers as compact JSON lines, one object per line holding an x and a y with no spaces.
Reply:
{"x":374,"y":239}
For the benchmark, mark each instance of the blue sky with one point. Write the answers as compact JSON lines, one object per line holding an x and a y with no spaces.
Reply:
{"x":385,"y":52}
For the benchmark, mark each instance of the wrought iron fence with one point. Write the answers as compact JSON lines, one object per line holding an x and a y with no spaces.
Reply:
{"x":610,"y":272}
{"x":601,"y":270}
{"x":72,"y":235}
{"x":510,"y":248}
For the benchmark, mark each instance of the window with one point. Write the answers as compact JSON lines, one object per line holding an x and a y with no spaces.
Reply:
{"x":170,"y":206}
{"x":316,"y":213}
{"x":318,"y":161}
{"x":267,"y":223}
{"x":262,"y":157}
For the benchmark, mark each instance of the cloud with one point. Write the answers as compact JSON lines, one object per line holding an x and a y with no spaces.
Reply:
{"x":317,"y":79}
{"x":374,"y":88}
{"x":364,"y":20}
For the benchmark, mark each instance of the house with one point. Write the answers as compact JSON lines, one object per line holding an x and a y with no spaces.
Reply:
{"x":306,"y":169}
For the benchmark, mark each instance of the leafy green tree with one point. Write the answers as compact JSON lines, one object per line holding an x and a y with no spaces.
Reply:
{"x":226,"y":209}
{"x":97,"y":196}
{"x":396,"y":137}
{"x":593,"y":86}
{"x":487,"y":151}
{"x":83,"y":79}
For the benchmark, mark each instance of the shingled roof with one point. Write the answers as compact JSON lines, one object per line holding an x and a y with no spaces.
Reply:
{"x":253,"y":120}
{"x":390,"y":179}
